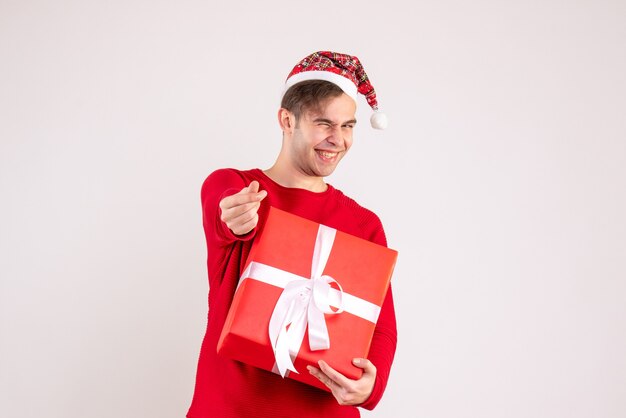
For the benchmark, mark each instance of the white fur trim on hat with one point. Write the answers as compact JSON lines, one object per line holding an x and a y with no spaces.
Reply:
{"x":344,"y":83}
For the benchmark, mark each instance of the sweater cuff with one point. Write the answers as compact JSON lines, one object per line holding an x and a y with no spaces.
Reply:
{"x":377,"y":393}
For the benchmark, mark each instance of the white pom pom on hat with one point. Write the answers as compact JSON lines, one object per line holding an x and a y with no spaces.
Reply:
{"x":379,"y":120}
{"x":343,"y":70}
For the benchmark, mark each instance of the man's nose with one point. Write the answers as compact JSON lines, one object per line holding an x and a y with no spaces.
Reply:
{"x":336,"y":136}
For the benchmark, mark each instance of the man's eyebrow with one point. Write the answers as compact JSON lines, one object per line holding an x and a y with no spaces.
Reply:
{"x":330,"y":122}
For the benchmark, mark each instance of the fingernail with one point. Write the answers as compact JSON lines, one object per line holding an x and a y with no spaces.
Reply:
{"x":357,"y":361}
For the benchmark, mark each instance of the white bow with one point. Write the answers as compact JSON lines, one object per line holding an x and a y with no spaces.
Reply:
{"x":302,"y":302}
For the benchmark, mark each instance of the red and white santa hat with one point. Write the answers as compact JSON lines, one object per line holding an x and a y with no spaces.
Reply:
{"x":343,"y":70}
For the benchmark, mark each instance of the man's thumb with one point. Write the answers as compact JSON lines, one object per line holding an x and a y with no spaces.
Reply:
{"x":253,"y":187}
{"x":364,"y":364}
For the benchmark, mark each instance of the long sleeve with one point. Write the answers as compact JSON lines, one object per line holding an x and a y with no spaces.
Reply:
{"x":382,"y":350}
{"x":385,"y":339}
{"x":218,"y":185}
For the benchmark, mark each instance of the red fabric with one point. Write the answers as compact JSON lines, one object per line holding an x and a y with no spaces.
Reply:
{"x":227,"y":388}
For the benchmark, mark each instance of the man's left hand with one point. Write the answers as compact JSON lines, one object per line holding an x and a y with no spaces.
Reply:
{"x":347,"y":391}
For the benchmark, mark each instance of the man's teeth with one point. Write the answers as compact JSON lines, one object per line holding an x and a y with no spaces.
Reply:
{"x":327,"y":154}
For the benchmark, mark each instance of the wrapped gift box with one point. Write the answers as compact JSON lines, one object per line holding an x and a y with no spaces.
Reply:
{"x":291,"y":259}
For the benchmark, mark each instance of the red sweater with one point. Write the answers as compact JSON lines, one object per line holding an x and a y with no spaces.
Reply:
{"x":227,"y":388}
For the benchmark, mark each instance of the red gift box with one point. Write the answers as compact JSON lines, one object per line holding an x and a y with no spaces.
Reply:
{"x":308,"y":292}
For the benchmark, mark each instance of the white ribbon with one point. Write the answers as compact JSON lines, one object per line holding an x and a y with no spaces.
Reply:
{"x":294,"y":310}
{"x":304,"y":301}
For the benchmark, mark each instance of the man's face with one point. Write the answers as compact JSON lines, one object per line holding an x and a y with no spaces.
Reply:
{"x":321,"y":138}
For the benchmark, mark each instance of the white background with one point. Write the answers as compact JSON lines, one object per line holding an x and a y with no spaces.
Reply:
{"x":501,"y":181}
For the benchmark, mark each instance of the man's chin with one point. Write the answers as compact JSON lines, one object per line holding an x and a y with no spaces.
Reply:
{"x":326,"y":172}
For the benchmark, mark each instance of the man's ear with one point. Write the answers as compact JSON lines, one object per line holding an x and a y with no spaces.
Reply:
{"x":286,"y":120}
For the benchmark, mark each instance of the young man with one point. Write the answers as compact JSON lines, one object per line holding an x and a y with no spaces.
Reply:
{"x":317,"y":116}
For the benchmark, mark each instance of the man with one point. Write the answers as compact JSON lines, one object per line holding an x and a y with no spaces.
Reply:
{"x":317,"y":116}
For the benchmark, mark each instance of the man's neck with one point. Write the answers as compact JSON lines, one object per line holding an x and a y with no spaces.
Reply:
{"x":295,"y":179}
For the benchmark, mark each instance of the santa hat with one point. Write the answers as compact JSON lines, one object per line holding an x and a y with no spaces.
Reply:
{"x":343,"y":70}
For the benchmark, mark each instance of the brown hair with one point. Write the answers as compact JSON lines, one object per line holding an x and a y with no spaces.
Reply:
{"x":308,"y":95}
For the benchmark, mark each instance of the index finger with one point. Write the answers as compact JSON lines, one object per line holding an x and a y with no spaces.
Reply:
{"x":241,"y":199}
